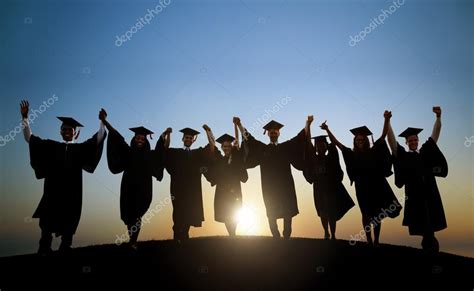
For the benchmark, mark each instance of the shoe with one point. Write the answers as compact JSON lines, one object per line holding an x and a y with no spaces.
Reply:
{"x":133,"y":246}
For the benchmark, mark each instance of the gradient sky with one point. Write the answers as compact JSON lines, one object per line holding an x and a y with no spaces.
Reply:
{"x":202,"y":62}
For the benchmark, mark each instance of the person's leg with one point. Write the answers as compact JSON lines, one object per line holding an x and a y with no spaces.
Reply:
{"x":287,"y":227}
{"x":367,"y":228}
{"x":133,"y":232}
{"x":426,"y":242}
{"x":429,"y":242}
{"x":332,"y":226}
{"x":274,"y":227}
{"x":185,"y":231}
{"x":231,"y":227}
{"x":377,"y":229}
{"x":45,"y":242}
{"x":177,"y":231}
{"x":435,"y":244}
{"x":324,"y":222}
{"x":66,"y":242}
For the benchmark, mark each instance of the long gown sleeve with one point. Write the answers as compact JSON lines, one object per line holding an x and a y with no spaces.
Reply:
{"x":91,"y":151}
{"x":253,"y":151}
{"x":308,"y":171}
{"x":399,"y":166}
{"x":383,"y":157}
{"x":333,"y":155}
{"x":238,"y":159}
{"x":40,"y":152}
{"x":348,"y":156}
{"x":165,"y":156}
{"x":435,"y":158}
{"x":295,"y":149}
{"x":213,"y":171}
{"x":117,"y":152}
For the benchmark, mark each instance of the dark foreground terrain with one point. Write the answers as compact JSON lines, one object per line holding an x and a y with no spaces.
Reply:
{"x":257,"y":263}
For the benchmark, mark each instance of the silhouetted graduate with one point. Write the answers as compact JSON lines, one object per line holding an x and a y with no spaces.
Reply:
{"x":417,"y":169}
{"x":139,"y":164}
{"x":226,"y":172}
{"x":60,"y":164}
{"x":323,"y":170}
{"x":185,"y":167}
{"x":275,"y":160}
{"x":368,"y":167}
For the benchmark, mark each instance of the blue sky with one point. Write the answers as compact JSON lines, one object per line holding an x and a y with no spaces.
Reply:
{"x":202,"y":62}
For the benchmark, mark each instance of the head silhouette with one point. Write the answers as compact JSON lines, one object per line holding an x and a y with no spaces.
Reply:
{"x":412,"y":142}
{"x":67,"y":132}
{"x":361,"y":143}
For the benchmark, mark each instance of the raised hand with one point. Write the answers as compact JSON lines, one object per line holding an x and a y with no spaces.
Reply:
{"x":387,"y":114}
{"x":206,"y":127}
{"x":102,"y":114}
{"x":324,"y":126}
{"x":168,"y":131}
{"x":310,"y":119}
{"x":236,"y":120}
{"x":24,"y":108}
{"x":437,"y":111}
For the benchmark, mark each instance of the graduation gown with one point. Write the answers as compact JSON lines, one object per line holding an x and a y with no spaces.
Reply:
{"x":424,"y":212}
{"x":185,"y":169}
{"x":369,"y":170}
{"x":227,"y":177}
{"x":278,"y":187}
{"x":324,"y":172}
{"x":138,"y":167}
{"x":60,"y":165}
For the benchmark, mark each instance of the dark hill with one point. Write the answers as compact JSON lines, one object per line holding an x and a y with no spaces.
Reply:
{"x":257,"y":263}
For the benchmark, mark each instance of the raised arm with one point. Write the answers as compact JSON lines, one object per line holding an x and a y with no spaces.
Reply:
{"x":333,"y":139}
{"x":239,"y":125}
{"x":105,"y":122}
{"x":307,"y":128}
{"x":24,"y":109}
{"x":101,"y":132}
{"x":392,"y":141}
{"x":386,"y":115}
{"x":437,"y":124}
{"x":166,"y":136}
{"x":236,"y":141}
{"x":210,"y":137}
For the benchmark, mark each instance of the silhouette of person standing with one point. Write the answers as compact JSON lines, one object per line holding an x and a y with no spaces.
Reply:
{"x":275,"y":160}
{"x":323,"y":170}
{"x":417,"y":169}
{"x":139,"y":164}
{"x":185,"y":167}
{"x":60,"y":164}
{"x":226,"y":172}
{"x":368,"y":167}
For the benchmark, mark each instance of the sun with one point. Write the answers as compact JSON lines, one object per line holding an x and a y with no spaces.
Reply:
{"x":246,"y":220}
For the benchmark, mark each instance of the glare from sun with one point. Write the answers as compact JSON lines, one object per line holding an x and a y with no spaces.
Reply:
{"x":246,"y":220}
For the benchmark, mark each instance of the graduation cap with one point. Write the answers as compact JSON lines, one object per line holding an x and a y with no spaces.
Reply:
{"x":410,"y":131}
{"x":141,"y":131}
{"x":69,"y":121}
{"x":320,"y":138}
{"x":363,"y":130}
{"x":272,"y":125}
{"x":225,"y":137}
{"x":189,"y":131}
